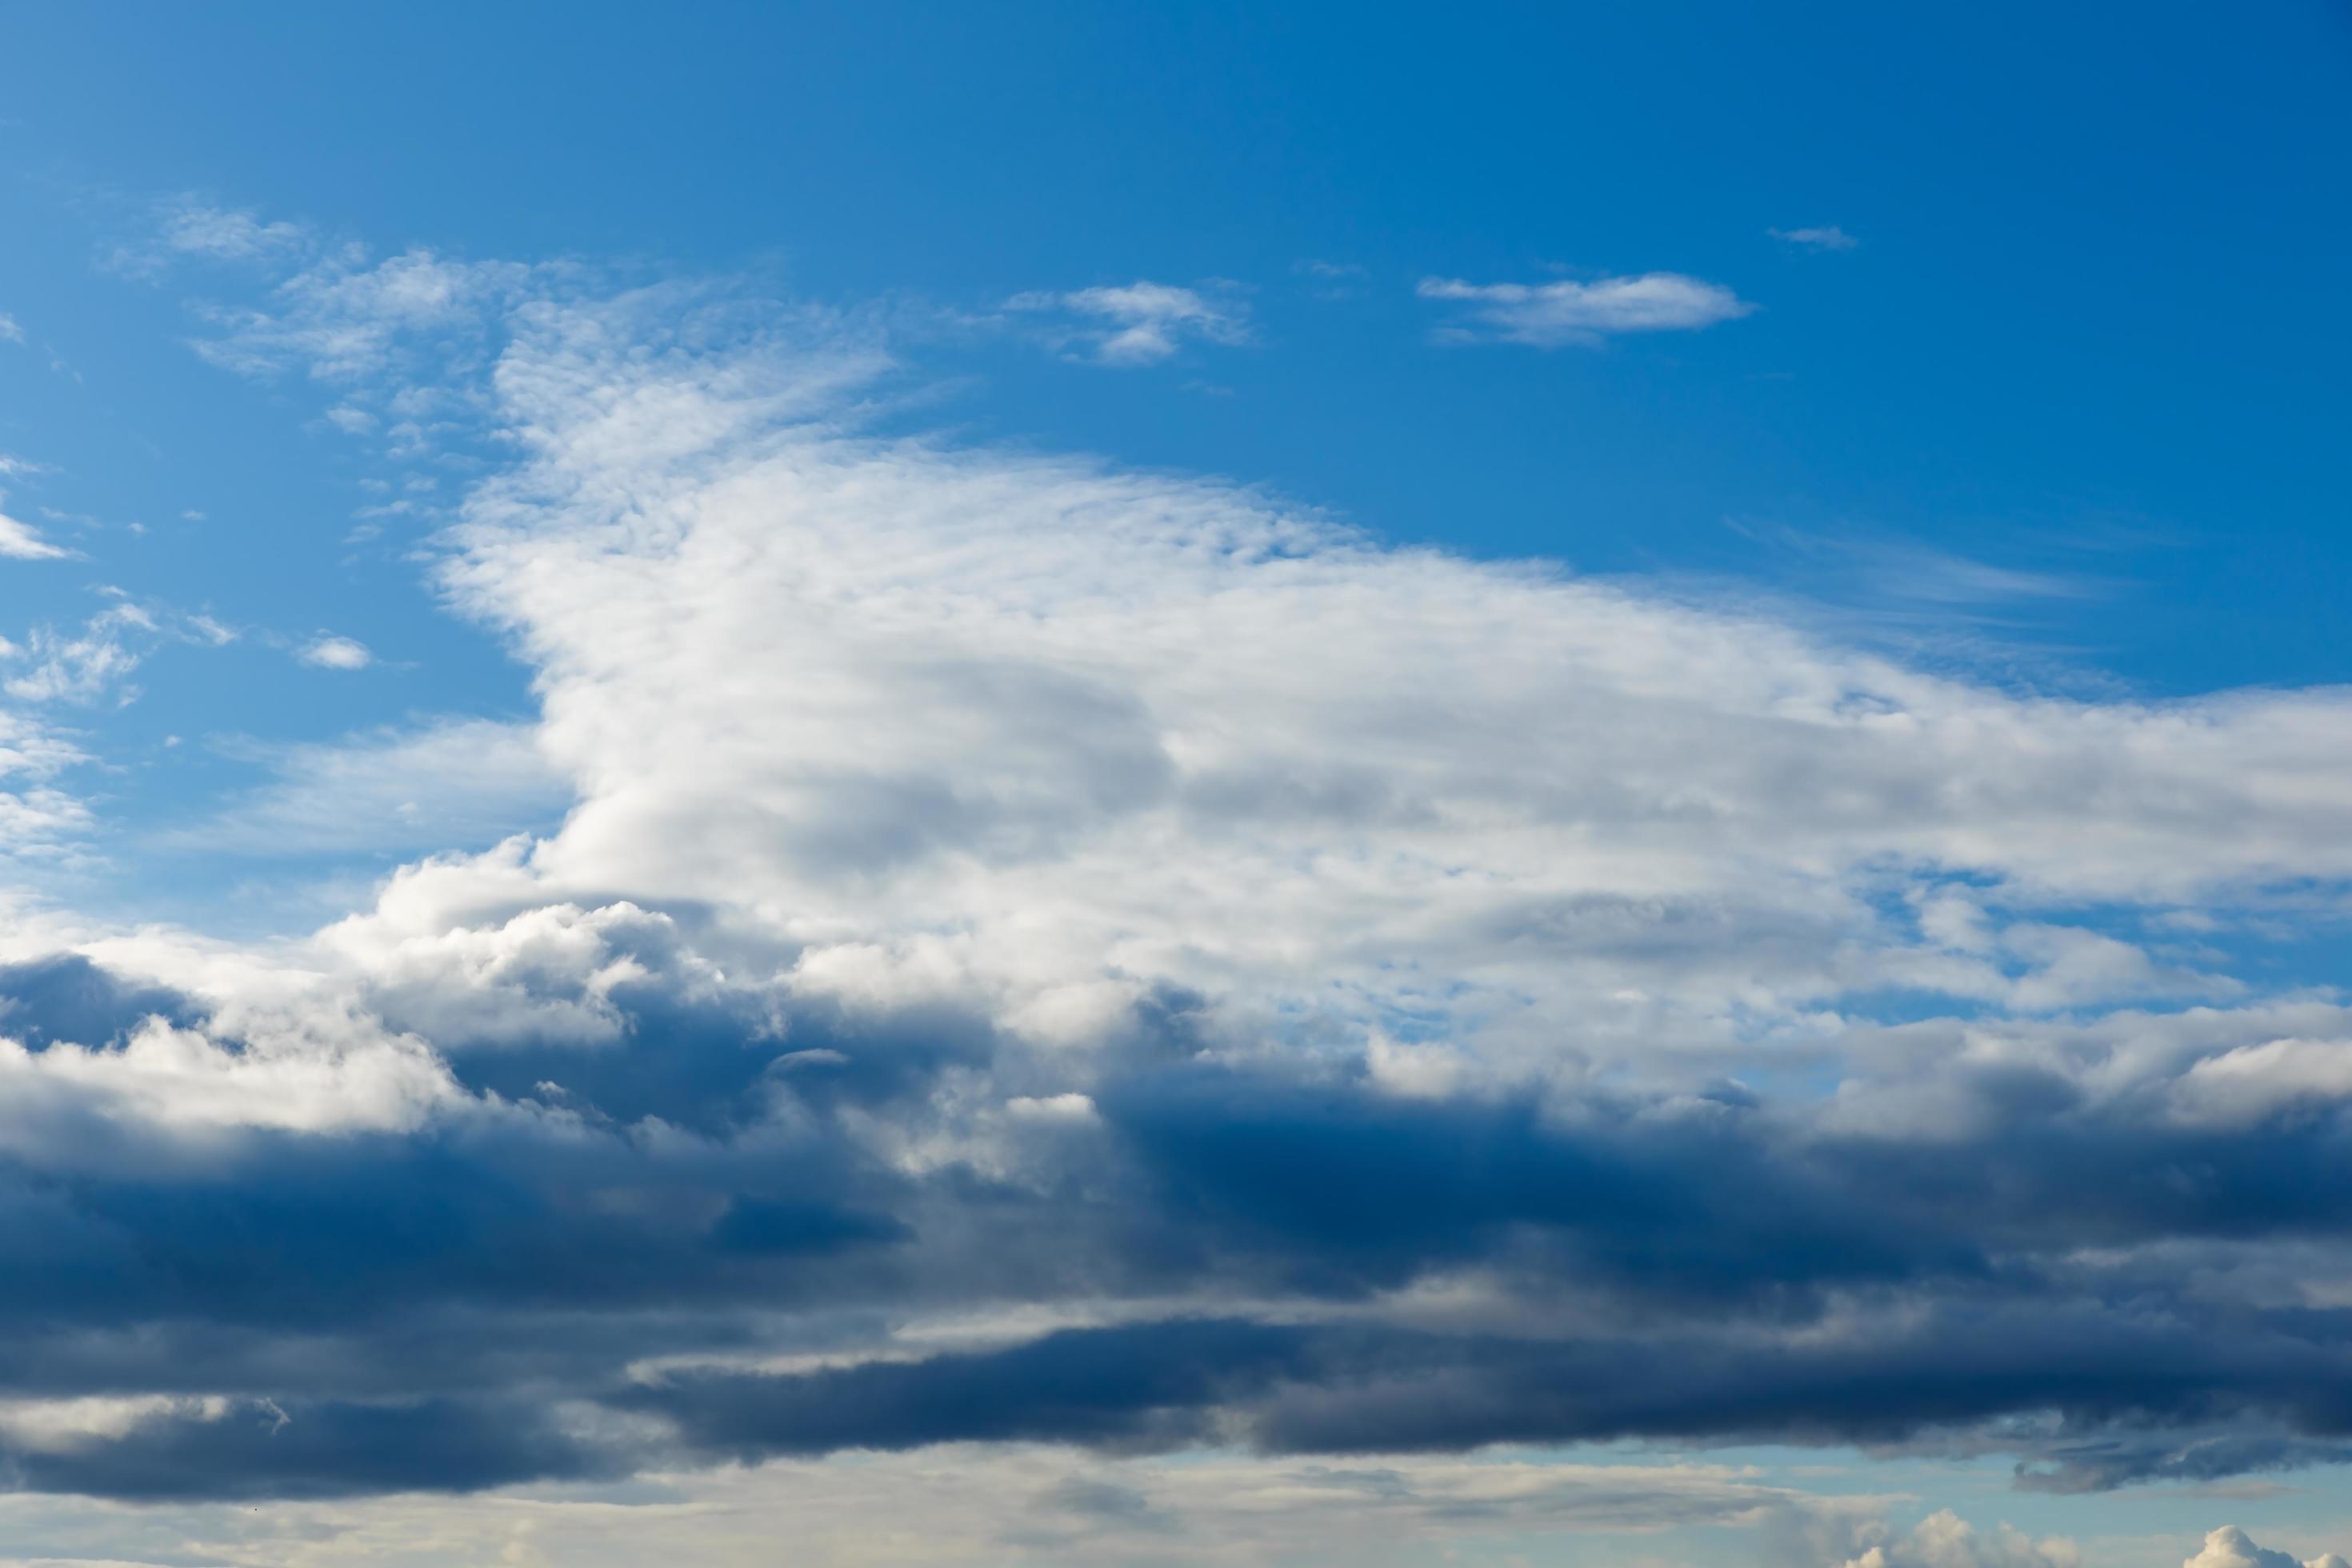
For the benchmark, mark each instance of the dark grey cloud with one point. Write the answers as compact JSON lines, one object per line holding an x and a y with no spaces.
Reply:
{"x":67,"y":998}
{"x":2042,"y":1271}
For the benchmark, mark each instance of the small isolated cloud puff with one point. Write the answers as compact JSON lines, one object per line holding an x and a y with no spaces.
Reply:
{"x":2229,"y":1547}
{"x":9,"y":331}
{"x":1825,"y":237}
{"x":328,"y":651}
{"x":1549,"y":315}
{"x":1142,"y":322}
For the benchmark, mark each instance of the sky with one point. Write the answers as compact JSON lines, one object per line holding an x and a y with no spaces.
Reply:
{"x":1211,"y":785}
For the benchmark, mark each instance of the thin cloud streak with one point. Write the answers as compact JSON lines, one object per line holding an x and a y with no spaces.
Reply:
{"x":1553,"y":315}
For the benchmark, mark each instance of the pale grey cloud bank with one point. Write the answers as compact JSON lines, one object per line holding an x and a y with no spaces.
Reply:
{"x":1552,"y":315}
{"x":1052,"y":967}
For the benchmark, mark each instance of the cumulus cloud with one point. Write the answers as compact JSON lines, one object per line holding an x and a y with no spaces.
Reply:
{"x":1944,"y":1540}
{"x":1141,"y":323}
{"x":2229,"y":1547}
{"x":1551,"y":315}
{"x":1038,"y":954}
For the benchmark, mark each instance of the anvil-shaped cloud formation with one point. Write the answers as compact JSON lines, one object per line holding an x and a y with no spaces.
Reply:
{"x":1041,"y":953}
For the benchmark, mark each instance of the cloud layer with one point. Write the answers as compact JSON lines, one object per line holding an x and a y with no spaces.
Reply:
{"x":1044,"y":954}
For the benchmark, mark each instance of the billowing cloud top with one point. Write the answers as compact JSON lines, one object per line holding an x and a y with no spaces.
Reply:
{"x":1040,"y":953}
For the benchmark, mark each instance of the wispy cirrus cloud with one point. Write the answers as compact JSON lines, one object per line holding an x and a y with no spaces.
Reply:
{"x":191,"y":227}
{"x":350,"y":317}
{"x":1825,"y":237}
{"x":22,"y":541}
{"x":429,"y":786}
{"x":1138,"y":323}
{"x":1553,"y":315}
{"x":93,"y":663}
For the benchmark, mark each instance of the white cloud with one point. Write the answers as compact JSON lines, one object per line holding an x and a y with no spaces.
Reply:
{"x":328,"y":651}
{"x":175,"y":1081}
{"x":83,"y":666}
{"x":1824,"y":236}
{"x":1143,"y":322}
{"x":1550,"y":315}
{"x":350,"y":317}
{"x":38,"y":821}
{"x":192,"y":227}
{"x":1944,"y":1540}
{"x":1120,"y":732}
{"x":9,"y":331}
{"x":22,"y":541}
{"x":2229,"y":1547}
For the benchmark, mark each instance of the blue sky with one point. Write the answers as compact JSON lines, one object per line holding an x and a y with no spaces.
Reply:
{"x":852,"y":714}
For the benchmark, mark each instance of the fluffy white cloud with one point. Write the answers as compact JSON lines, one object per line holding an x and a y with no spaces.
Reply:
{"x":1944,"y":1540}
{"x":1109,"y":733}
{"x":1549,"y":315}
{"x":2229,"y":1547}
